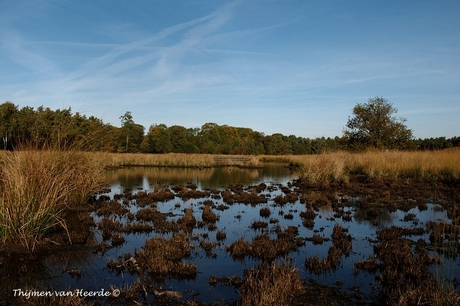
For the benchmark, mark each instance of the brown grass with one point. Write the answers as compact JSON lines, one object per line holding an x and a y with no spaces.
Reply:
{"x":176,"y":160}
{"x":339,"y":166}
{"x":162,"y":257}
{"x":208,"y":215}
{"x":37,"y":186}
{"x":270,"y":284}
{"x":323,"y":168}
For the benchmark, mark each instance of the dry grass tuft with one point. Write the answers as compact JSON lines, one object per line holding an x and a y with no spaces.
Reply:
{"x":163,"y":257}
{"x":37,"y":186}
{"x":270,"y":284}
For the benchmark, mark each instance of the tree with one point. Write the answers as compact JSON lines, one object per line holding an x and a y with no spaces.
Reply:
{"x":8,"y":121}
{"x":132,"y":134}
{"x":373,"y":124}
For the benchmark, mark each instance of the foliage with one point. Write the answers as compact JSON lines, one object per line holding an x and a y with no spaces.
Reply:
{"x":62,"y":130}
{"x":131,"y":135}
{"x":8,"y":119}
{"x":373,"y":125}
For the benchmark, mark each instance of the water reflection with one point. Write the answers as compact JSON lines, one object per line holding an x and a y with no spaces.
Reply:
{"x":212,"y":178}
{"x":235,"y":220}
{"x":58,"y":269}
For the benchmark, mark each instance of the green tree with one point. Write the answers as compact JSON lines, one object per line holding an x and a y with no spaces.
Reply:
{"x":158,"y":140}
{"x":182,"y":139}
{"x":373,"y":124}
{"x":131,"y":134}
{"x":26,"y":120}
{"x":8,"y":121}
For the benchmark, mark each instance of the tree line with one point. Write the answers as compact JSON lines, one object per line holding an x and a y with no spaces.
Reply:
{"x":62,"y":129}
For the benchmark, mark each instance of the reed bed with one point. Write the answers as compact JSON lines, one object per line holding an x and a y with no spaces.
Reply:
{"x":322,"y":168}
{"x":176,"y":160}
{"x":340,"y":166}
{"x":36,"y":187}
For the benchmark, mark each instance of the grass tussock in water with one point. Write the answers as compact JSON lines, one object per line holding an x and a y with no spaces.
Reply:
{"x":35,"y":189}
{"x":270,"y":284}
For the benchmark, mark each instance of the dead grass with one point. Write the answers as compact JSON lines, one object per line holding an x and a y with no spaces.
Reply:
{"x":270,"y":284}
{"x":37,"y":186}
{"x":339,"y":166}
{"x":163,"y":257}
{"x":322,"y":168}
{"x":177,"y":160}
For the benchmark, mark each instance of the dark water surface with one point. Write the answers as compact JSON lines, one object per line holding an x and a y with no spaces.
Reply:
{"x":93,"y":274}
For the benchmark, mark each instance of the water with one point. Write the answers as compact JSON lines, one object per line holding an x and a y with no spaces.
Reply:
{"x":53,"y":270}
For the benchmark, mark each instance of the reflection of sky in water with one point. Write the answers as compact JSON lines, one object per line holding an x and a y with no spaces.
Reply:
{"x":95,"y":275}
{"x":223,"y":265}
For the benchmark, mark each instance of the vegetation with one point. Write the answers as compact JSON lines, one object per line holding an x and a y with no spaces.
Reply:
{"x":340,"y":166}
{"x":36,"y":187}
{"x":271,"y":284}
{"x":41,"y":181}
{"x":373,"y":125}
{"x":337,"y":166}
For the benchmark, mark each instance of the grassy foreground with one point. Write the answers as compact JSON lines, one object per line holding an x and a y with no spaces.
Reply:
{"x":37,"y":186}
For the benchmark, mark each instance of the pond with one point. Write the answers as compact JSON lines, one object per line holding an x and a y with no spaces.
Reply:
{"x":272,"y":205}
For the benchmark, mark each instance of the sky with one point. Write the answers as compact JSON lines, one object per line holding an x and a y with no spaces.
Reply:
{"x":293,"y":67}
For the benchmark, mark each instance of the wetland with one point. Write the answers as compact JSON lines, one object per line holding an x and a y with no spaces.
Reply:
{"x":225,"y":235}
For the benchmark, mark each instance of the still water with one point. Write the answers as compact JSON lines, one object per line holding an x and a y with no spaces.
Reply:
{"x":235,"y":221}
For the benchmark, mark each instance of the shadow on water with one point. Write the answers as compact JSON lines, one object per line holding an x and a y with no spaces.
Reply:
{"x":157,"y":228}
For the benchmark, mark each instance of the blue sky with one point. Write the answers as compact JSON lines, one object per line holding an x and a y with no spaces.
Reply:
{"x":290,"y":67}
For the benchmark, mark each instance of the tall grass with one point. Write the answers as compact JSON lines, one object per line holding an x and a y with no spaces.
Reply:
{"x":37,"y":186}
{"x":176,"y":160}
{"x":340,"y":166}
{"x":322,"y":168}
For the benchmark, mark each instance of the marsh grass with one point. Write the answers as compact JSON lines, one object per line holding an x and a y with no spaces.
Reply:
{"x":322,"y":168}
{"x":177,"y":160}
{"x":270,"y":284}
{"x":36,"y":187}
{"x":340,"y":166}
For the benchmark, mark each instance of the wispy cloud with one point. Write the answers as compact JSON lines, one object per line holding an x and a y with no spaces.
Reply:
{"x":228,"y":62}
